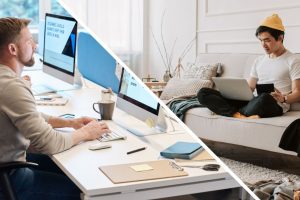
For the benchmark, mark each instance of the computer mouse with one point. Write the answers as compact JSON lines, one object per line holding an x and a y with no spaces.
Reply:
{"x":211,"y":167}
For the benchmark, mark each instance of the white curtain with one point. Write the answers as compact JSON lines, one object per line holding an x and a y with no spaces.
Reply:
{"x":118,"y":23}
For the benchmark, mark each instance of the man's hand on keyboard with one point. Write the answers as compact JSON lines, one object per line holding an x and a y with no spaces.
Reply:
{"x":91,"y":131}
{"x":80,"y":122}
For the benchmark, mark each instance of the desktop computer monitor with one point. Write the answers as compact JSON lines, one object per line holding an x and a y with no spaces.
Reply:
{"x":59,"y":54}
{"x":60,"y":35}
{"x":136,"y":101}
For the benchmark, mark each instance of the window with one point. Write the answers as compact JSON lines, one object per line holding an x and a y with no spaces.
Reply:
{"x":119,"y":24}
{"x":21,"y":8}
{"x":57,"y":9}
{"x":30,"y":9}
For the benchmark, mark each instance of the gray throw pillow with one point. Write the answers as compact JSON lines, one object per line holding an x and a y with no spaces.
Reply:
{"x":177,"y":87}
{"x":201,"y":71}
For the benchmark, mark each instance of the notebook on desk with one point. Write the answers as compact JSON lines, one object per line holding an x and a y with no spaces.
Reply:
{"x":182,"y":150}
{"x":142,"y":171}
{"x":202,"y":156}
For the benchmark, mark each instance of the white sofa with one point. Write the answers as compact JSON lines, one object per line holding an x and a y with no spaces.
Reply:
{"x":264,"y":133}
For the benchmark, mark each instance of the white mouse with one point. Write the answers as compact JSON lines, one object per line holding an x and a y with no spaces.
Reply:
{"x":99,"y":146}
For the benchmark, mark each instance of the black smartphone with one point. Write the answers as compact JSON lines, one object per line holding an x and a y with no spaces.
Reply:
{"x":265,"y":88}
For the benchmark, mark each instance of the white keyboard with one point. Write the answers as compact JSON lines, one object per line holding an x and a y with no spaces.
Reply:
{"x":111,"y":137}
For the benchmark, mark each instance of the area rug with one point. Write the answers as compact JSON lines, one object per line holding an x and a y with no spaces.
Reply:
{"x":252,"y":173}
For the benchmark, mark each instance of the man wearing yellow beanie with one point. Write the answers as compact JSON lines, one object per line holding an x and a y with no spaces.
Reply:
{"x":279,"y":66}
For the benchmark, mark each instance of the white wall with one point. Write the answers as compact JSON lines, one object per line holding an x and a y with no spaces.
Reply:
{"x":223,"y":26}
{"x":229,"y":26}
{"x":179,"y":22}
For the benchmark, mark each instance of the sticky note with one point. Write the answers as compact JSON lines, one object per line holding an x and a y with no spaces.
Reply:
{"x":150,"y":122}
{"x":142,"y":167}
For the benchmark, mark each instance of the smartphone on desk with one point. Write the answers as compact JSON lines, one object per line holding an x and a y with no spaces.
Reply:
{"x":265,"y":88}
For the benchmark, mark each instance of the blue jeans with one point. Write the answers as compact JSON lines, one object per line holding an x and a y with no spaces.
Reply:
{"x":45,"y":182}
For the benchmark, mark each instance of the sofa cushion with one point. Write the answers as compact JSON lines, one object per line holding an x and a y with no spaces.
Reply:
{"x":295,"y":107}
{"x":264,"y":133}
{"x":177,"y":87}
{"x":201,"y":71}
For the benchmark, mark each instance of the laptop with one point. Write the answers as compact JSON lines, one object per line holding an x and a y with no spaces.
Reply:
{"x":234,"y":88}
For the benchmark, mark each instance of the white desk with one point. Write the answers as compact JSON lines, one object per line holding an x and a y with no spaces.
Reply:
{"x":81,"y":165}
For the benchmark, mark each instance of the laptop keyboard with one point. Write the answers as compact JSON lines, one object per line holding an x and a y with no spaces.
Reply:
{"x":111,"y":137}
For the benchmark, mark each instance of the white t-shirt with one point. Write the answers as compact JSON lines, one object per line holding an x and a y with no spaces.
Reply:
{"x":281,"y":71}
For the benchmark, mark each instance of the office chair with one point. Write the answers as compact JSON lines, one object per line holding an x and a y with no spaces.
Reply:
{"x":5,"y":184}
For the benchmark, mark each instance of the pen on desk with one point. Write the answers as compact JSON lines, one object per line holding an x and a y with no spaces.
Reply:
{"x":136,"y":150}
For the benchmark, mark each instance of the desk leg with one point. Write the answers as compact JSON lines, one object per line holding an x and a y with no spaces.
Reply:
{"x":243,"y":194}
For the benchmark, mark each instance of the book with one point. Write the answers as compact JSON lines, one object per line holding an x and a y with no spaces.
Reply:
{"x":142,"y":171}
{"x":182,"y":150}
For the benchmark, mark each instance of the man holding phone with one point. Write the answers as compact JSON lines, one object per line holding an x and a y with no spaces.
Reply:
{"x":279,"y":67}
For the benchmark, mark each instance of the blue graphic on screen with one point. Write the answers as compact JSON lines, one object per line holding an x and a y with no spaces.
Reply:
{"x":131,"y":88}
{"x":73,"y":38}
{"x":60,"y":43}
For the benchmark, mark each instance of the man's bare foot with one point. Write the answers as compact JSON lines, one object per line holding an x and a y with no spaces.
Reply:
{"x":240,"y":116}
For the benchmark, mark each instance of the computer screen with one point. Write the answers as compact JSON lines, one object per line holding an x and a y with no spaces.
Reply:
{"x":60,"y":35}
{"x":135,"y":100}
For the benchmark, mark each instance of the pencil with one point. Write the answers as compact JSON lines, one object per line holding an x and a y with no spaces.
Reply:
{"x":136,"y":150}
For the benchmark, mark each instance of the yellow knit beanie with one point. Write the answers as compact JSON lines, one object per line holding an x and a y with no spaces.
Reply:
{"x":274,"y":22}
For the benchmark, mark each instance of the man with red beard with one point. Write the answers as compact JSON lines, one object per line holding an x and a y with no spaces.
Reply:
{"x":22,"y":125}
{"x":279,"y":66}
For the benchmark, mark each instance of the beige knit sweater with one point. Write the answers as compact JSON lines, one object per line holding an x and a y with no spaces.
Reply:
{"x":21,"y":124}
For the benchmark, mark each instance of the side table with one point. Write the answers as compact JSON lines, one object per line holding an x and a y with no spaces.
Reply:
{"x":156,"y":87}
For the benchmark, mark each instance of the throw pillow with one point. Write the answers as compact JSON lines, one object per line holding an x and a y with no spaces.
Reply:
{"x":177,"y":87}
{"x":202,"y":71}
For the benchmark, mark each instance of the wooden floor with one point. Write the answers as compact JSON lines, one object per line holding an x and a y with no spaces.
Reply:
{"x":271,"y":160}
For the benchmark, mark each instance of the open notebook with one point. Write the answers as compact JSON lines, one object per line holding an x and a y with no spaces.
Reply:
{"x":142,"y":171}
